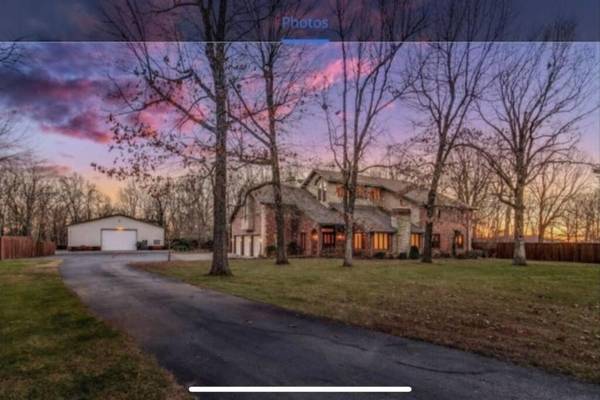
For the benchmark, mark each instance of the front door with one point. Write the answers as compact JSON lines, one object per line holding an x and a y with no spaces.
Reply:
{"x":314,"y":243}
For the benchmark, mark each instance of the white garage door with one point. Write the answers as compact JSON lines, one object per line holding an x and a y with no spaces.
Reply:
{"x":115,"y":240}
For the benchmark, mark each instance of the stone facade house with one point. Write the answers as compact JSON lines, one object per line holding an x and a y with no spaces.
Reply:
{"x":389,"y":218}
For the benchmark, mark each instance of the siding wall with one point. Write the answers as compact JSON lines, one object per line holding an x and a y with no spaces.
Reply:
{"x":90,"y":233}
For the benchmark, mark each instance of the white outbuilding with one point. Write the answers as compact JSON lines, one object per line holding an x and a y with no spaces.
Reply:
{"x":115,"y":233}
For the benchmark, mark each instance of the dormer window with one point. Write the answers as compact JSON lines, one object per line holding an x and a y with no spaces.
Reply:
{"x":322,"y":191}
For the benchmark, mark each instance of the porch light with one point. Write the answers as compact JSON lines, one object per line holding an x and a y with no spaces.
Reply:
{"x":314,"y":236}
{"x":340,"y":236}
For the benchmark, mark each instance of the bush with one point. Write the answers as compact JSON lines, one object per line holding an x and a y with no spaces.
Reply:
{"x":474,"y":254}
{"x":403,"y":256}
{"x":444,"y":254}
{"x":181,"y":245}
{"x":293,"y":248}
{"x":414,"y":253}
{"x":271,"y":249}
{"x":380,"y":255}
{"x":208,"y":245}
{"x":143,"y":245}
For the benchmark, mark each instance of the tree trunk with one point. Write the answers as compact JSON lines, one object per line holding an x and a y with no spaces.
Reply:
{"x":519,"y":257}
{"x":220,"y":264}
{"x":349,"y":202}
{"x":348,"y":222}
{"x":541,"y":232}
{"x":279,"y":212}
{"x":281,"y":258}
{"x":427,"y":256}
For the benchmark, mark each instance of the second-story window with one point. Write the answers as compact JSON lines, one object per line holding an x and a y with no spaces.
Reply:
{"x":322,"y":192}
{"x":375,"y":194}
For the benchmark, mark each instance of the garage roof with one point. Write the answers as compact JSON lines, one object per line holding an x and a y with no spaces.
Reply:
{"x":117,"y":215}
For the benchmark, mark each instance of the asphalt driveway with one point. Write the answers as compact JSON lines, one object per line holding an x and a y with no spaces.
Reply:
{"x":206,"y":338}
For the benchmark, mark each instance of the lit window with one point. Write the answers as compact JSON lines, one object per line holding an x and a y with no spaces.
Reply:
{"x":358,"y":240}
{"x":416,"y":239}
{"x":381,"y":241}
{"x":459,"y":240}
{"x":375,"y":194}
{"x":328,"y":235}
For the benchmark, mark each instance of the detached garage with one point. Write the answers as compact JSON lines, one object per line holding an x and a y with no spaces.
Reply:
{"x":114,"y":233}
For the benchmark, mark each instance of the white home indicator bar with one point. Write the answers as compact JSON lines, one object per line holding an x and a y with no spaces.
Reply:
{"x":300,"y":389}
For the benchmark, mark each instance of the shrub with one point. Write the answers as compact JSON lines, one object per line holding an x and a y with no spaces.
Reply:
{"x":403,"y":256}
{"x":181,"y":245}
{"x":207,"y":245}
{"x":414,"y":253}
{"x":474,"y":254}
{"x":271,"y":249}
{"x":293,"y":248}
{"x":143,"y":245}
{"x":379,"y":255}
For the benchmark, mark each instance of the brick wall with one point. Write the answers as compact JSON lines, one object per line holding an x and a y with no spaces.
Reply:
{"x":450,"y":220}
{"x":295,"y":224}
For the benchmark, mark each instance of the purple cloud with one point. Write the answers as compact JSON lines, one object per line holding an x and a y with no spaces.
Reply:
{"x":62,"y":88}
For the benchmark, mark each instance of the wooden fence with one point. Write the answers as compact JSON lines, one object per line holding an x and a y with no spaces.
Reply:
{"x":23,"y":247}
{"x":576,"y":252}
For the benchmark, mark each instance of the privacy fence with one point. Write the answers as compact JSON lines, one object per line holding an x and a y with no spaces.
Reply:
{"x":23,"y":247}
{"x":576,"y":252}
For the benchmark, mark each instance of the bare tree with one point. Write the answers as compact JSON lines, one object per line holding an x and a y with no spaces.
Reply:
{"x":12,"y":146}
{"x":192,"y":81}
{"x":538,"y":96}
{"x":469,"y":180}
{"x":365,"y":89}
{"x":130,"y":199}
{"x":553,"y":189}
{"x":270,"y":95}
{"x":446,"y":77}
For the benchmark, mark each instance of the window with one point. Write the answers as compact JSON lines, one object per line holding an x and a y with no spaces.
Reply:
{"x":459,"y":240}
{"x":435,"y":241}
{"x":328,"y":235}
{"x":416,"y":239}
{"x":375,"y":194}
{"x":358,"y":240}
{"x":381,"y":241}
{"x":339,"y":191}
{"x":322,"y":192}
{"x":303,"y":241}
{"x":157,"y":242}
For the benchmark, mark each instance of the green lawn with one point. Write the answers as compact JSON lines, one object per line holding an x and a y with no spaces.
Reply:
{"x":52,"y":348}
{"x":546,"y":314}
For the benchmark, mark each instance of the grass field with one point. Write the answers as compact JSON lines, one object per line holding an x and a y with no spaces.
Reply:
{"x":52,"y":348}
{"x":545,"y":315}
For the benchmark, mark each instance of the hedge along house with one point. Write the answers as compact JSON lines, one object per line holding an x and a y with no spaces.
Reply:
{"x":115,"y":233}
{"x":389,"y":218}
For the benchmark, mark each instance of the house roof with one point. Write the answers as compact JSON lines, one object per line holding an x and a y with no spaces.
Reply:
{"x":304,"y":201}
{"x":409,"y":191}
{"x":371,"y":219}
{"x":116,"y":215}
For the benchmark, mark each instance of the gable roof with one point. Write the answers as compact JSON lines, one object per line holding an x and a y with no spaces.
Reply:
{"x":303,"y":200}
{"x":371,"y":218}
{"x":117,"y":215}
{"x":410,"y":192}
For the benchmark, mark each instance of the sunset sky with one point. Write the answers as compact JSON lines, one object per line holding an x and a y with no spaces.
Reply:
{"x":60,"y":98}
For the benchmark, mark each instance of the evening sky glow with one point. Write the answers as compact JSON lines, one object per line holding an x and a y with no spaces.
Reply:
{"x":60,"y":97}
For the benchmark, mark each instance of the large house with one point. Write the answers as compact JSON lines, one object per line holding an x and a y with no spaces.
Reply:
{"x":389,"y":218}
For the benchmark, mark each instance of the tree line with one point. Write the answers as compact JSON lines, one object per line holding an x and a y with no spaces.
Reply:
{"x":495,"y":123}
